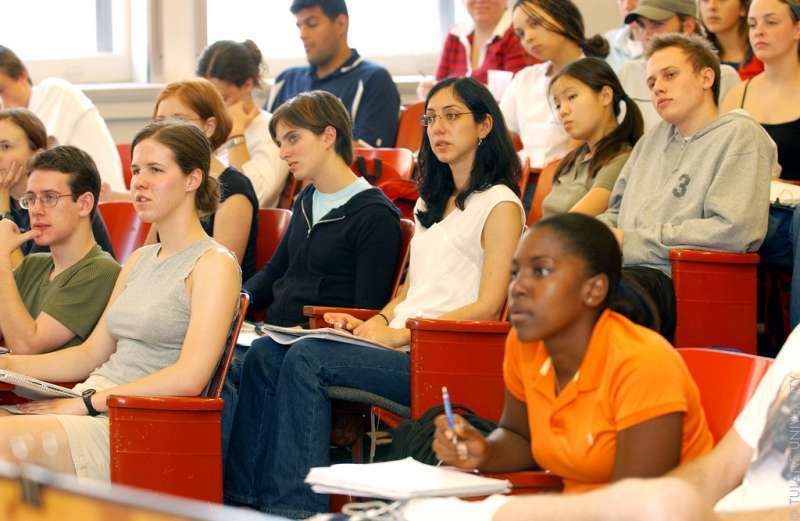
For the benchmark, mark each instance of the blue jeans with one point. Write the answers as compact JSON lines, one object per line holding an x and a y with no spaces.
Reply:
{"x":282,"y":422}
{"x":230,"y":395}
{"x":781,"y":246}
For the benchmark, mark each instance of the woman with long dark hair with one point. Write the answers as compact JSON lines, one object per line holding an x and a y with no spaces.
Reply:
{"x":590,"y":102}
{"x":468,"y":221}
{"x":551,"y":31}
{"x":725,"y":24}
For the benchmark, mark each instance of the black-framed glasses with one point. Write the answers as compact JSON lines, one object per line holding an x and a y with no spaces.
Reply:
{"x":428,"y":120}
{"x":48,"y":199}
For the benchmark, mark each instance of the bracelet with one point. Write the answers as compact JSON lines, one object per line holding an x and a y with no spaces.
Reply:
{"x":87,"y":401}
{"x":383,"y":317}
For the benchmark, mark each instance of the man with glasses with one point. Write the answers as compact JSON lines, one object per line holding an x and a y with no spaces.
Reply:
{"x":54,"y":300}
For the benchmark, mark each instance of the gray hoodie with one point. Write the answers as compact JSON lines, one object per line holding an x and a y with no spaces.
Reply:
{"x":710,"y":191}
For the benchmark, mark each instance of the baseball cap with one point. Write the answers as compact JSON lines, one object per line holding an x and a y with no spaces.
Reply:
{"x":660,"y":10}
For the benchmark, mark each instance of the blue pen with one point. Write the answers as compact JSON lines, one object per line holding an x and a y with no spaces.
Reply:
{"x":448,"y":409}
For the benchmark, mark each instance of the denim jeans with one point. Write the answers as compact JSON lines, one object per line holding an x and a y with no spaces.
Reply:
{"x":781,"y":246}
{"x":282,"y":422}
{"x":230,"y":395}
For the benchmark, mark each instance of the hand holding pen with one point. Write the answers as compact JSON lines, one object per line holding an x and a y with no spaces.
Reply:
{"x":456,"y":442}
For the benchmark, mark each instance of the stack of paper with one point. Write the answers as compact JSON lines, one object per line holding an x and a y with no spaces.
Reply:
{"x":402,"y":479}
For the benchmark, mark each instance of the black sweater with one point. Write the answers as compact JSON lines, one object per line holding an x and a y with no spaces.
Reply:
{"x":347,"y":259}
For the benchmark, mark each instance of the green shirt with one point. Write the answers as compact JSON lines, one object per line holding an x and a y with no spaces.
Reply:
{"x":76,"y":297}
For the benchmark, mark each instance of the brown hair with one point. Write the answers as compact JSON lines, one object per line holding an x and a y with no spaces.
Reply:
{"x":192,"y":150}
{"x":315,"y":111}
{"x":744,"y":29}
{"x":77,"y":164}
{"x":568,"y":16}
{"x":794,"y":12}
{"x":30,"y":124}
{"x":204,"y":99}
{"x":231,"y":61}
{"x":11,"y":65}
{"x":698,"y":51}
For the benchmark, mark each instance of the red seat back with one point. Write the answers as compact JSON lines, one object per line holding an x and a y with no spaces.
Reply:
{"x":126,"y":231}
{"x":272,"y":226}
{"x":543,"y":186}
{"x":726,"y":381}
{"x":395,"y":162}
{"x":218,"y":379}
{"x":409,"y":130}
{"x":124,"y":151}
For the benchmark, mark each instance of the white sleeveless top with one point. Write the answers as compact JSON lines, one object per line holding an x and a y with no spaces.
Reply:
{"x":447,"y":258}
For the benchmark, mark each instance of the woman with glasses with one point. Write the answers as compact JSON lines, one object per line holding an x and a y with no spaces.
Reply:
{"x":468,"y":220}
{"x":235,"y":223}
{"x":164,"y":328}
{"x":235,"y":70}
{"x":22,"y":134}
{"x":551,"y":31}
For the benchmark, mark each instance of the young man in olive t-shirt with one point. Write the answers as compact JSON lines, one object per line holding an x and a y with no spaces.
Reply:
{"x":54,"y":300}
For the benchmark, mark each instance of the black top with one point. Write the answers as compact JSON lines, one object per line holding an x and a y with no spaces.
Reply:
{"x":233,"y":182}
{"x":786,"y":137}
{"x":347,"y":259}
{"x":23,"y":221}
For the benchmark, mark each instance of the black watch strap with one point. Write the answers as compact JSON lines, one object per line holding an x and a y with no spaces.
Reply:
{"x":87,"y":401}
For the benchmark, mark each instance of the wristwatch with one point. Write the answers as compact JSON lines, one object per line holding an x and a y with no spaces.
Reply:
{"x":236,"y":140}
{"x":9,"y":216}
{"x":87,"y":401}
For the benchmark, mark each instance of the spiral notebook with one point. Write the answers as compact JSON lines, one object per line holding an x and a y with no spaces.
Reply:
{"x":401,"y":479}
{"x":34,"y":388}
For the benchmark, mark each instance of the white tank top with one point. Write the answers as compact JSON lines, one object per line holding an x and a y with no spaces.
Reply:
{"x":447,"y":259}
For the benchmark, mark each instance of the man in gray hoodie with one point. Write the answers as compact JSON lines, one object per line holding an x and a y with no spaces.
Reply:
{"x":697,"y":179}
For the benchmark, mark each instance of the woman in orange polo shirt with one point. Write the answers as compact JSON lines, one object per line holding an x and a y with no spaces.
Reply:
{"x":590,"y":395}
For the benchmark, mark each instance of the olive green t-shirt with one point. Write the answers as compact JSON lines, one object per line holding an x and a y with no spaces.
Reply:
{"x":572,"y":186}
{"x":76,"y":297}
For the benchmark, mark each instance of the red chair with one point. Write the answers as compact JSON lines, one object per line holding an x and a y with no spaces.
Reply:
{"x":544,"y":184}
{"x":272,"y":226}
{"x":409,"y":130}
{"x":715,"y":295}
{"x":173,"y":444}
{"x":726,"y":381}
{"x":395,"y":162}
{"x":126,"y":231}
{"x":124,"y":151}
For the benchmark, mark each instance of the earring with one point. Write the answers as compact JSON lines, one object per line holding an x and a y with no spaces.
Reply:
{"x":480,"y":140}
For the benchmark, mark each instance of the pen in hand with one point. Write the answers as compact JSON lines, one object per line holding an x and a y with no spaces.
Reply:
{"x":461,"y":448}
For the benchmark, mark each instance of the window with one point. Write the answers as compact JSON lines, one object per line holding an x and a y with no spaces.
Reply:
{"x":80,"y":40}
{"x":406,"y":37}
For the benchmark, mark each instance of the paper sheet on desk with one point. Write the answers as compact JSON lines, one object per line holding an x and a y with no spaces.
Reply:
{"x":290,"y":335}
{"x":402,"y":479}
{"x":784,"y":193}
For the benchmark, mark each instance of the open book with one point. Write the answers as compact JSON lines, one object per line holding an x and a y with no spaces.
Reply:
{"x":34,"y":388}
{"x":402,"y":479}
{"x":290,"y":335}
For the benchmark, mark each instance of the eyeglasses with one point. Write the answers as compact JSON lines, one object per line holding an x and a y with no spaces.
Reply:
{"x":48,"y":199}
{"x":428,"y":120}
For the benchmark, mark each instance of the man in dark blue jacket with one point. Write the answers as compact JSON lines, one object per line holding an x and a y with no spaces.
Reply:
{"x":365,"y":88}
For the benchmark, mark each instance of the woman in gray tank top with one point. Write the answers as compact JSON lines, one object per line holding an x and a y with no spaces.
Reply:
{"x":164,"y":328}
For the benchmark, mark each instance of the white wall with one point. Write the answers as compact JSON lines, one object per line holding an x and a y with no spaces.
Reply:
{"x":598,"y":15}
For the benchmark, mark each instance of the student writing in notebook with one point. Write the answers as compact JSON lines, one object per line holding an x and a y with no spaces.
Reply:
{"x":468,"y":221}
{"x":590,"y":396}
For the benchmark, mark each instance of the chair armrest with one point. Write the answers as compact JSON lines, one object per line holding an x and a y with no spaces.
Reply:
{"x":725,"y":257}
{"x":458,"y":326}
{"x":315,"y":313}
{"x":165,"y":403}
{"x":465,"y":356}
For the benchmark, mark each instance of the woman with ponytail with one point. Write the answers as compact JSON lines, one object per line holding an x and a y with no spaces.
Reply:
{"x":597,"y":113}
{"x":551,"y":31}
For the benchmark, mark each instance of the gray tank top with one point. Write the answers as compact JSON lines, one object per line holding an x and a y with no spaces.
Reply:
{"x":150,"y":317}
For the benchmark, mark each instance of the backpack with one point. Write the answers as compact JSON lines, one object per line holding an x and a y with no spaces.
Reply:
{"x":414,"y":438}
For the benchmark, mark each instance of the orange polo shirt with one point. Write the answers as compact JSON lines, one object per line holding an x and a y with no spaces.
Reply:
{"x":629,"y":375}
